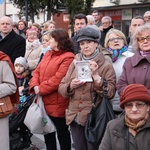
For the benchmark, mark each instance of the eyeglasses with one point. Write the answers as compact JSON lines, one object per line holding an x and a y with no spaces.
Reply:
{"x":114,"y":39}
{"x":142,"y":39}
{"x":137,"y":105}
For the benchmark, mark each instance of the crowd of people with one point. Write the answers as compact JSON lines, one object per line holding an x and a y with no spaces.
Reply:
{"x":47,"y":61}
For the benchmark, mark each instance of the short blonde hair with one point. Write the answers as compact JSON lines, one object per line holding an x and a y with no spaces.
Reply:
{"x":90,"y":19}
{"x":138,"y":32}
{"x":118,"y":33}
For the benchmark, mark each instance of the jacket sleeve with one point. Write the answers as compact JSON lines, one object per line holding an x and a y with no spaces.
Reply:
{"x":8,"y":85}
{"x":19,"y":49}
{"x":52,"y":84}
{"x":65,"y":83}
{"x":106,"y":141}
{"x":122,"y":82}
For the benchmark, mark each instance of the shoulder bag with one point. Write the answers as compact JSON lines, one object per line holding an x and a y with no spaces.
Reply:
{"x":6,"y":107}
{"x":99,"y":117}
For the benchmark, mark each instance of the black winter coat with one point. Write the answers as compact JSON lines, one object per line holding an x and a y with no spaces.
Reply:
{"x":13,"y":45}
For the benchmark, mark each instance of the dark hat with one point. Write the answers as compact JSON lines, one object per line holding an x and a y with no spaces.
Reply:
{"x":87,"y":33}
{"x":134,"y":92}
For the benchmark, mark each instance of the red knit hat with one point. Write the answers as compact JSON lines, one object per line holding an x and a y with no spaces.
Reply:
{"x":134,"y":92}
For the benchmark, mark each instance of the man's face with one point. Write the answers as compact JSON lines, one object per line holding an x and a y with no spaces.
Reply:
{"x":147,"y":17}
{"x":106,"y":23}
{"x":79,"y":23}
{"x":134,"y":24}
{"x":96,"y":16}
{"x":6,"y":25}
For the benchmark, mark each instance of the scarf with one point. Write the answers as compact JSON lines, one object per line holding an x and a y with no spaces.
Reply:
{"x":14,"y":97}
{"x":44,"y":50}
{"x":134,"y":127}
{"x":116,"y":53}
{"x":144,"y":53}
{"x":92,"y":56}
{"x":32,"y":45}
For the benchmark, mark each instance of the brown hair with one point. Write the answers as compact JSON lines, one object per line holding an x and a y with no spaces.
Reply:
{"x":64,"y":42}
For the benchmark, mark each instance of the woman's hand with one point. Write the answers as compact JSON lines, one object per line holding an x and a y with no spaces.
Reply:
{"x":36,"y":90}
{"x":75,"y":83}
{"x":94,"y":68}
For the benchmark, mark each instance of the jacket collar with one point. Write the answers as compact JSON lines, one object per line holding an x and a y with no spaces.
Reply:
{"x":137,"y":58}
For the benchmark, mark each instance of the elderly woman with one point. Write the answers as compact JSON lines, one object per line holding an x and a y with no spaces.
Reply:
{"x":136,"y":69}
{"x":83,"y":79}
{"x":115,"y":42}
{"x":45,"y":81}
{"x":132,"y":130}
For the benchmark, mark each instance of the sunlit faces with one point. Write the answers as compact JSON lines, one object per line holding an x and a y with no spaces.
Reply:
{"x":106,"y":23}
{"x":53,"y":44}
{"x":19,"y":68}
{"x":45,"y":41}
{"x":51,"y":27}
{"x":6,"y":25}
{"x":88,"y":47}
{"x":144,"y":44}
{"x":79,"y":23}
{"x":115,"y":42}
{"x":136,"y":110}
{"x":134,"y":24}
{"x":32,"y":35}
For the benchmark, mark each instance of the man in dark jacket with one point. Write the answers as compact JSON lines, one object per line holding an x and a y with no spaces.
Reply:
{"x":11,"y":43}
{"x":107,"y":25}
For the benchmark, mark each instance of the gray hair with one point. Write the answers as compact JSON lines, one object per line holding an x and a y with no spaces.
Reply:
{"x":106,"y":17}
{"x":138,"y":32}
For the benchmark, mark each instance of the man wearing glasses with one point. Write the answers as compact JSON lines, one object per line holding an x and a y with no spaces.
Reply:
{"x":106,"y":25}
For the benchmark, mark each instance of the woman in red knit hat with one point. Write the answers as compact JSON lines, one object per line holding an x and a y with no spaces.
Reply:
{"x":132,"y":130}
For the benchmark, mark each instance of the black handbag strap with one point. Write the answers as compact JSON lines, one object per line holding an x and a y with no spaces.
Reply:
{"x":104,"y":92}
{"x":127,"y":139}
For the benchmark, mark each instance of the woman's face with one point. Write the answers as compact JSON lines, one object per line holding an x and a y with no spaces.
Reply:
{"x":51,"y":27}
{"x":32,"y":36}
{"x":53,"y":44}
{"x":115,"y":41}
{"x":144,"y":41}
{"x":88,"y":47}
{"x":45,"y":41}
{"x":136,"y":110}
{"x":21,"y":25}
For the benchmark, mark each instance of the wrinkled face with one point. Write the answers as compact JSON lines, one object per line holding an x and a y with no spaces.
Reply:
{"x":115,"y":42}
{"x":96,"y":16}
{"x":147,"y":17}
{"x":134,"y":24}
{"x":106,"y":23}
{"x":136,"y":110}
{"x":19,"y":68}
{"x":45,"y":41}
{"x":88,"y":47}
{"x":32,"y":36}
{"x":6,"y":25}
{"x":21,"y":26}
{"x":53,"y":44}
{"x":144,"y":41}
{"x":79,"y":23}
{"x":51,"y":27}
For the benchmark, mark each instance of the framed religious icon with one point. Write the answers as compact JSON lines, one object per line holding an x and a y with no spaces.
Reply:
{"x":83,"y":71}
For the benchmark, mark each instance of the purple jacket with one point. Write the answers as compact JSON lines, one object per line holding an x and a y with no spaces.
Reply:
{"x":136,"y":69}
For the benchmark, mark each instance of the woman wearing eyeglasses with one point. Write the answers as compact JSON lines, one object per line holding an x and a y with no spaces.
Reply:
{"x":132,"y":130}
{"x":136,"y":69}
{"x":115,"y":42}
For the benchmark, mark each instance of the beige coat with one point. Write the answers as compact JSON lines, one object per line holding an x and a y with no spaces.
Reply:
{"x":81,"y":98}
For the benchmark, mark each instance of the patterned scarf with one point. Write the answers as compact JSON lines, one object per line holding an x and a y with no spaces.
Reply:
{"x":144,"y":53}
{"x":116,"y":53}
{"x":134,"y":127}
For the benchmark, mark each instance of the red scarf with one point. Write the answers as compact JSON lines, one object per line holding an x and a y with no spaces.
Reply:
{"x":14,"y":97}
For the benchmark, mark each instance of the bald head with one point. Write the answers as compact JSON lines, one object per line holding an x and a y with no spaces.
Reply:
{"x":6,"y":25}
{"x":147,"y":16}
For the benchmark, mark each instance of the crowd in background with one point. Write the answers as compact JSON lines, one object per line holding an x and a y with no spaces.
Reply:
{"x":44,"y":60}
